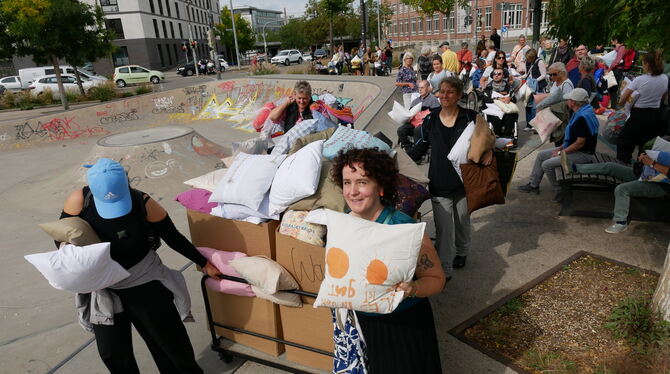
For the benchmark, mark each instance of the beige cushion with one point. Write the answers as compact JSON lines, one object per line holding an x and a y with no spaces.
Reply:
{"x":293,"y":224}
{"x":321,"y":135}
{"x":409,"y":168}
{"x":328,"y":194}
{"x":281,"y":298}
{"x":208,"y":181}
{"x":72,"y":230}
{"x":482,"y":140}
{"x":264,"y":273}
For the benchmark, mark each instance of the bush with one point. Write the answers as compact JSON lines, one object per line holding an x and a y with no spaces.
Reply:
{"x":45,"y":98}
{"x":127,"y":94}
{"x":264,"y":68}
{"x":8,"y":99}
{"x":103,"y":92}
{"x":25,"y":100}
{"x":143,"y":89}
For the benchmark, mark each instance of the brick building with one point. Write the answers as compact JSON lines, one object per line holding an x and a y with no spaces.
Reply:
{"x":410,"y":28}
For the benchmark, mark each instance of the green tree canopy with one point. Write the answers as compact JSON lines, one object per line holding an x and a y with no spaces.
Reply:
{"x":636,"y":23}
{"x":436,"y":6}
{"x":294,"y":34}
{"x":245,"y":36}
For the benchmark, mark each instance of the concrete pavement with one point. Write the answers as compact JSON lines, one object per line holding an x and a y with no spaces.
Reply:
{"x":512,"y":243}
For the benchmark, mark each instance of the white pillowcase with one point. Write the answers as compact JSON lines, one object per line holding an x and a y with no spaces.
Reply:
{"x":247,"y":180}
{"x":284,"y":144}
{"x":459,"y":152}
{"x":364,"y":260}
{"x":661,"y":144}
{"x":317,"y":216}
{"x":242,"y":213}
{"x":79,"y":269}
{"x":400,"y":115}
{"x":297,"y":177}
{"x":207,"y":181}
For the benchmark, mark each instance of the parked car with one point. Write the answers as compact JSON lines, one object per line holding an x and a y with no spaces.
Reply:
{"x":28,"y":75}
{"x":131,"y":74}
{"x":307,"y":56}
{"x":11,"y":83}
{"x":49,"y":81}
{"x":223,"y":63}
{"x":320,"y":53}
{"x":287,"y":56}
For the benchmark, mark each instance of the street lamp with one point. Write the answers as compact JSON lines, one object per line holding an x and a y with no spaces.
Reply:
{"x":237,"y":49}
{"x":190,"y":36}
{"x":265,"y":43}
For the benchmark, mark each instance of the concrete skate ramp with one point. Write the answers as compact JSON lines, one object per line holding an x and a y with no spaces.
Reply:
{"x":230,"y":106}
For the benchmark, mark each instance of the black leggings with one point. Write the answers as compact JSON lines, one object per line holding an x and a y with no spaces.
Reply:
{"x":641,"y":127}
{"x":150,"y":308}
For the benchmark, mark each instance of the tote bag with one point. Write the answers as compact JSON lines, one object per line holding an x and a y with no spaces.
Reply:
{"x":482,"y":185}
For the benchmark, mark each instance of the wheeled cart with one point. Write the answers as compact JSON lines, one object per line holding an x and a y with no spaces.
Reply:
{"x":227,"y":355}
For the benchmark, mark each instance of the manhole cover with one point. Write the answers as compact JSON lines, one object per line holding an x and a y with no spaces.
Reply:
{"x":148,"y":136}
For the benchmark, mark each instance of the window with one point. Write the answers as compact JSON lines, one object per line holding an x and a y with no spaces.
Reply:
{"x":139,"y":69}
{"x":115,"y":25}
{"x":488,"y":18}
{"x":151,"y":5}
{"x":513,"y":16}
{"x":167,"y":6}
{"x":165,"y":35}
{"x":9,"y":80}
{"x":181,"y":32}
{"x":120,"y":57}
{"x":160,"y":7}
{"x":413,"y":22}
{"x":172,"y":29}
{"x":176,"y":7}
{"x":479,"y":20}
{"x":124,"y":70}
{"x":452,"y":21}
{"x":545,"y":20}
{"x":156,"y":29}
{"x":109,"y":5}
{"x":160,"y":55}
{"x":436,"y":23}
{"x":420,"y":22}
{"x":429,"y":24}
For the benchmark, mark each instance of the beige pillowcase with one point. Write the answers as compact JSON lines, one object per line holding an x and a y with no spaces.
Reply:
{"x":207,"y":181}
{"x":321,"y":135}
{"x":482,"y":140}
{"x":281,"y":298}
{"x":328,"y":194}
{"x":73,"y":230}
{"x":264,"y":273}
{"x":408,"y":168}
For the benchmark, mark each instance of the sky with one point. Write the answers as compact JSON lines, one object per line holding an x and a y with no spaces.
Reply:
{"x":293,"y":7}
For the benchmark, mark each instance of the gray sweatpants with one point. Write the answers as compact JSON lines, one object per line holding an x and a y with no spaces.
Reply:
{"x":452,"y":227}
{"x":545,"y":164}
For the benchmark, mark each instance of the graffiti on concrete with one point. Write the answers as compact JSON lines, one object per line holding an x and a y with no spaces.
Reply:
{"x":27,"y":131}
{"x":159,"y":169}
{"x":106,"y":119}
{"x":68,"y":129}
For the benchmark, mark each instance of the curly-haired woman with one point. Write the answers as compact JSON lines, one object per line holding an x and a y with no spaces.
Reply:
{"x":404,"y":341}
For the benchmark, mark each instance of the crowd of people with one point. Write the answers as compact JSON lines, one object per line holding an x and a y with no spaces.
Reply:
{"x":359,"y":61}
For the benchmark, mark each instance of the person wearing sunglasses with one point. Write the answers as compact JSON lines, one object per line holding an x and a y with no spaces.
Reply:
{"x":499,"y":61}
{"x":500,"y":83}
{"x":560,"y":86}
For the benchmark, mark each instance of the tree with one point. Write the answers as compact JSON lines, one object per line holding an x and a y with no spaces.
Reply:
{"x":333,"y":8}
{"x":245,"y":36}
{"x":636,"y":23}
{"x":47,"y":30}
{"x":293,"y":34}
{"x":385,"y":13}
{"x":428,"y":7}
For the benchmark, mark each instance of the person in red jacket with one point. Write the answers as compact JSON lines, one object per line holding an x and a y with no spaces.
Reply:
{"x":464,"y":56}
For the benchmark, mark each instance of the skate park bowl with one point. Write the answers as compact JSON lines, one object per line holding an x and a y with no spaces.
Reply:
{"x":163,"y":139}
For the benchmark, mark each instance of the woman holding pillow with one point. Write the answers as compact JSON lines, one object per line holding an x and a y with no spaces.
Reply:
{"x":404,"y":341}
{"x":127,"y":218}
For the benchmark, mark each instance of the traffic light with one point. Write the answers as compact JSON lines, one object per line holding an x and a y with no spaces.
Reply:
{"x":184,"y":46}
{"x":194,"y":43}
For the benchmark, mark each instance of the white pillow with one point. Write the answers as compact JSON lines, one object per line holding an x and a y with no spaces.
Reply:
{"x":345,"y":138}
{"x":365,"y":260}
{"x":459,"y":152}
{"x":661,"y":144}
{"x":296,"y":178}
{"x":79,"y":269}
{"x":317,"y":216}
{"x":296,"y":132}
{"x":254,"y":146}
{"x":400,"y":115}
{"x":247,"y":180}
{"x":208,"y":181}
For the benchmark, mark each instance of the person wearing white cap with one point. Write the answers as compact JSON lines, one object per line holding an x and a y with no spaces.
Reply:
{"x":579,"y":145}
{"x":130,"y":220}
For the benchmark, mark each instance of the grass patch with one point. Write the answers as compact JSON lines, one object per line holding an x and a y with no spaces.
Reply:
{"x":635,"y":322}
{"x":549,"y":362}
{"x":511,"y":306}
{"x":143,"y":89}
{"x":103,"y":92}
{"x":264,"y":68}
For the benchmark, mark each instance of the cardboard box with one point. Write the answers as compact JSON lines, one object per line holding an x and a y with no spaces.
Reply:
{"x":249,"y":313}
{"x":311,"y":327}
{"x":306,"y":263}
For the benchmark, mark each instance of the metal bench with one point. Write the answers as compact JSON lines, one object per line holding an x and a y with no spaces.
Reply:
{"x":591,"y":195}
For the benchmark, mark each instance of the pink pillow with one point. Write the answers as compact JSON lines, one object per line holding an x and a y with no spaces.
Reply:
{"x":220,"y":260}
{"x":196,"y":199}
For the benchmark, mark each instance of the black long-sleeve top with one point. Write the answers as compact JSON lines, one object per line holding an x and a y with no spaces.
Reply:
{"x":440,"y":139}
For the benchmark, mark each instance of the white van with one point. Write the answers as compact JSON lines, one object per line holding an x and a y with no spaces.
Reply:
{"x":28,"y":75}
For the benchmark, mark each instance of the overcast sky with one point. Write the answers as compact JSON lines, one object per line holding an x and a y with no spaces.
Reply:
{"x":293,"y":7}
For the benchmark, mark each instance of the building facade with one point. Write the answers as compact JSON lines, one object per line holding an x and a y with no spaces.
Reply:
{"x":151,"y":32}
{"x":408,"y":27}
{"x":261,"y":20}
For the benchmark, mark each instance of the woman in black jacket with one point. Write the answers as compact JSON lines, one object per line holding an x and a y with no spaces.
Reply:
{"x":440,"y":131}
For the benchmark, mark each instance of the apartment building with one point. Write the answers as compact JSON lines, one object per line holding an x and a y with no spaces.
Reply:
{"x":409,"y":27}
{"x":261,"y":19}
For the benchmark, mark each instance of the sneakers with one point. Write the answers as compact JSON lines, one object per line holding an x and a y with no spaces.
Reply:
{"x":528,"y":128}
{"x":527,"y":188}
{"x":459,"y":262}
{"x":616,"y":228}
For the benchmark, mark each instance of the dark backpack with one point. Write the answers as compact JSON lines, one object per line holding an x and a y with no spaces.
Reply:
{"x":153,"y":240}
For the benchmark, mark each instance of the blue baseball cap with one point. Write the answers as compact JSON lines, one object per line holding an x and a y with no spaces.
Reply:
{"x":108,"y":182}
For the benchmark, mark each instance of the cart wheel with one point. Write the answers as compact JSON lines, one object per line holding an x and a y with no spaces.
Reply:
{"x":225,"y":357}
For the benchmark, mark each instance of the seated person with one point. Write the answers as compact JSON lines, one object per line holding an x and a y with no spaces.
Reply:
{"x":296,"y":108}
{"x":501,"y":84}
{"x":653,"y":182}
{"x":581,"y":137}
{"x":560,"y":86}
{"x":427,"y":101}
{"x":480,"y":65}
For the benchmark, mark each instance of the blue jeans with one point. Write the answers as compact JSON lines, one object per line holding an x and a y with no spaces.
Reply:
{"x":531,"y":110}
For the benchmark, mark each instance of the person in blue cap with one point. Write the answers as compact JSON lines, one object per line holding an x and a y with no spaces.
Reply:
{"x":134,"y":224}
